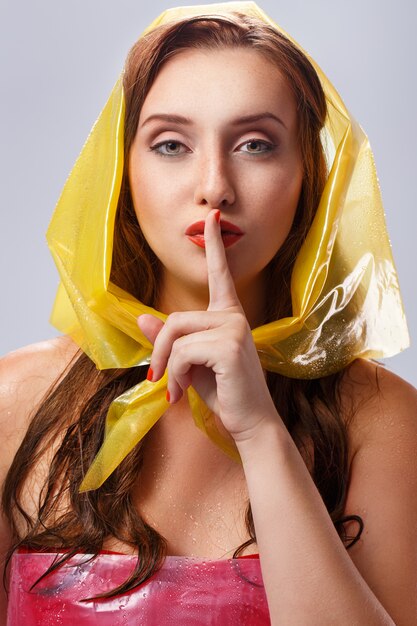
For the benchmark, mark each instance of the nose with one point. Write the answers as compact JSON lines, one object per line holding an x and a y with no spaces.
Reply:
{"x":214,"y":186}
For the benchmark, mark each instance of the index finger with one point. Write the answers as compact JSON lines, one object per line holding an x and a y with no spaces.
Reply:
{"x":220,"y":282}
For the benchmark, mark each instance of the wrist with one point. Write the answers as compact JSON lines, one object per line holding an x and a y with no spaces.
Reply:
{"x":269,"y":432}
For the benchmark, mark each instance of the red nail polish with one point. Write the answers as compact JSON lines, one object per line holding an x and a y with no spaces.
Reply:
{"x":217,"y":216}
{"x":168,"y":395}
{"x":149,"y":375}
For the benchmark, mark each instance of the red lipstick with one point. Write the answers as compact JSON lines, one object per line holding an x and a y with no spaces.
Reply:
{"x":230,"y":233}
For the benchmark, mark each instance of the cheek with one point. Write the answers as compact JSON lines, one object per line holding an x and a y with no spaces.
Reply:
{"x":278,"y":198}
{"x":150,"y":200}
{"x":156,"y":188}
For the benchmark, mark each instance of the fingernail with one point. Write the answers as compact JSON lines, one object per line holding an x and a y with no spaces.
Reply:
{"x":217,"y":216}
{"x":149,"y":375}
{"x":168,"y":395}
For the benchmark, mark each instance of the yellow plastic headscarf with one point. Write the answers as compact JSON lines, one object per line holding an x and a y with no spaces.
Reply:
{"x":346,"y":301}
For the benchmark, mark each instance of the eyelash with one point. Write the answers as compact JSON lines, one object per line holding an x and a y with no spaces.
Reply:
{"x":269,"y":146}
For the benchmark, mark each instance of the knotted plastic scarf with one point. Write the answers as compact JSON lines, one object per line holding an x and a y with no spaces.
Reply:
{"x":346,"y":301}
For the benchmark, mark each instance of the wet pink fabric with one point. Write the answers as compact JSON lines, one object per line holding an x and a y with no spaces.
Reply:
{"x":185,"y":591}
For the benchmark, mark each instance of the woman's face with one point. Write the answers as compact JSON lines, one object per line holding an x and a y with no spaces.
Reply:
{"x":218,"y":129}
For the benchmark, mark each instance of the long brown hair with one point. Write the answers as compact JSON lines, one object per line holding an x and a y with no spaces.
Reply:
{"x":74,"y":411}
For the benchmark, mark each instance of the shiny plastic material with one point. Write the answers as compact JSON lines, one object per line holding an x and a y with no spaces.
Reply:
{"x":346,"y":301}
{"x":184,"y":591}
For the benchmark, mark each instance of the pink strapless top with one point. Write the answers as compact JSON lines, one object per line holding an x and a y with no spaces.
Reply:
{"x":184,"y":592}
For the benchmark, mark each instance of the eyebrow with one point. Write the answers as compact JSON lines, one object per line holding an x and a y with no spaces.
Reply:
{"x":186,"y":121}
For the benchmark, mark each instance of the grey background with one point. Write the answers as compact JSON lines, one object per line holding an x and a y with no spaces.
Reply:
{"x":59,"y":61}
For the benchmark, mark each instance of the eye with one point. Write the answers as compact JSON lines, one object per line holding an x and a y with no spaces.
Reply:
{"x":258,"y":146}
{"x":167,"y":148}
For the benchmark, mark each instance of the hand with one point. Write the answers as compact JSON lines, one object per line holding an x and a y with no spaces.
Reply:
{"x":213,"y":350}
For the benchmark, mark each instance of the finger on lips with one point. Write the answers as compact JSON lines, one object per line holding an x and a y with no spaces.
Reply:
{"x":220,"y":282}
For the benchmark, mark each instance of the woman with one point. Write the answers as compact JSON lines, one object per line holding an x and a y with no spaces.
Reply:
{"x":225,"y":184}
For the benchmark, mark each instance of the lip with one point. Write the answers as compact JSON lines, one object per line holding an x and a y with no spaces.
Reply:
{"x":230,"y":233}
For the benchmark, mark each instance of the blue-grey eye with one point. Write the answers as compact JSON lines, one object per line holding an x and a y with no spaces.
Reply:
{"x":254,"y":143}
{"x":167,"y":148}
{"x":169,"y":145}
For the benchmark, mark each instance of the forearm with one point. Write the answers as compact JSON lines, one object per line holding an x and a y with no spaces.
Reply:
{"x":309,"y":577}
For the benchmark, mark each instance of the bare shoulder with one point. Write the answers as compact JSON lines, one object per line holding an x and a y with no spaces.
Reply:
{"x":377,"y":403}
{"x":50,"y":354}
{"x":27,"y":374}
